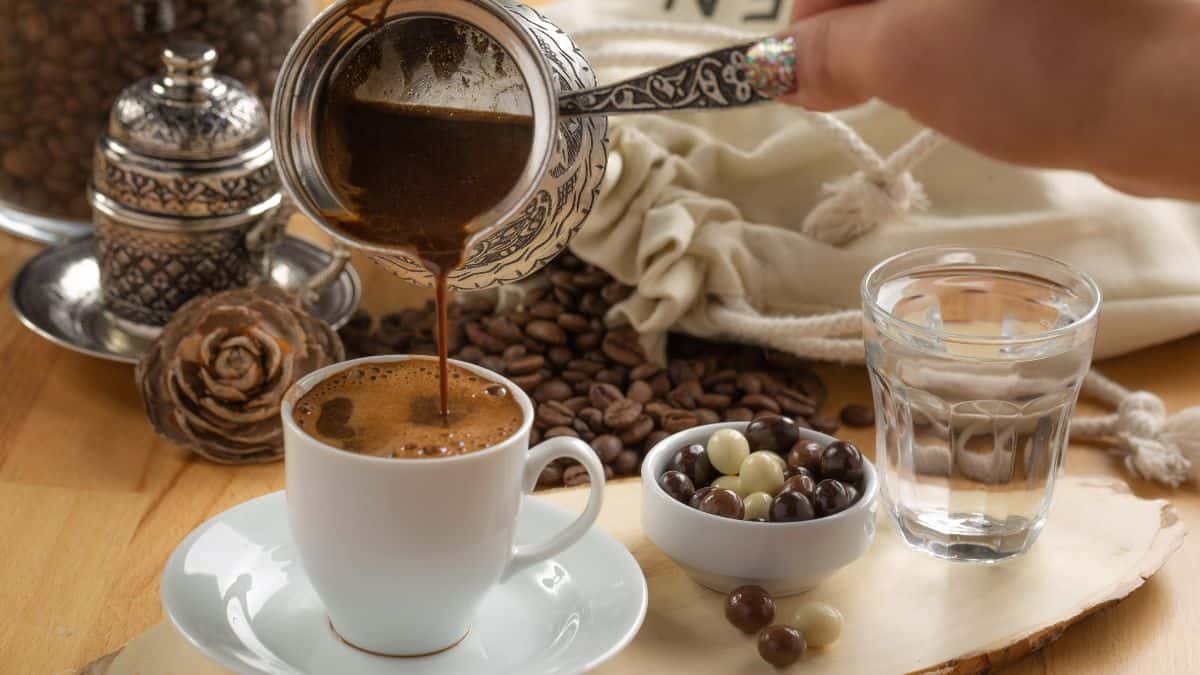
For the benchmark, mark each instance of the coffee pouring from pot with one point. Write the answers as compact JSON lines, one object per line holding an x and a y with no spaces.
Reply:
{"x":500,"y":57}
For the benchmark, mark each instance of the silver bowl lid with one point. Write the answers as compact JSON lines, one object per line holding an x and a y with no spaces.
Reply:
{"x":186,"y":142}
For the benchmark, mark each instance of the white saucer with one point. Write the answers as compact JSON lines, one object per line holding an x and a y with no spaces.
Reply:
{"x":235,"y":589}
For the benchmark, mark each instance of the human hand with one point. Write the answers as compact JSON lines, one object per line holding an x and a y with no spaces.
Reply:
{"x":1111,"y":87}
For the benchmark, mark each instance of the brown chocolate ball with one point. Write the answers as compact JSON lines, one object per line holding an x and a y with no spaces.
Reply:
{"x":694,"y":502}
{"x":805,"y":454}
{"x":724,"y":503}
{"x":852,"y":494}
{"x":772,"y":432}
{"x":749,"y":608}
{"x":677,"y":485}
{"x":692,"y":462}
{"x":802,"y":483}
{"x":781,"y":646}
{"x":842,"y":461}
{"x":791,"y":507}
{"x":830,"y":497}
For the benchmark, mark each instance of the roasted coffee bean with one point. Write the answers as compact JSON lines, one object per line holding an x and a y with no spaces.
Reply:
{"x":781,"y":646}
{"x":551,"y":476}
{"x":716,"y":402}
{"x":471,"y":354}
{"x":611,"y":376}
{"x":626,"y":463}
{"x":555,"y":432}
{"x":638,"y":431}
{"x":562,"y":279}
{"x":545,"y":310}
{"x":574,"y":377}
{"x":806,"y":454}
{"x":639,"y":391}
{"x":759,"y":403}
{"x":793,"y":402}
{"x":622,"y":413}
{"x":514,"y":352}
{"x":681,"y":398}
{"x":858,"y":416}
{"x":645,"y":371}
{"x":552,"y":390}
{"x":615,"y":292}
{"x":660,"y":384}
{"x":576,"y":475}
{"x":483,"y":339}
{"x":492,"y":362}
{"x":813,"y":387}
{"x":501,"y":328}
{"x":723,"y":503}
{"x":577,"y":403}
{"x":607,"y":447}
{"x":623,"y":347}
{"x":603,"y":395}
{"x":692,"y":461}
{"x":535,"y":436}
{"x":582,"y":427}
{"x":586,"y":341}
{"x":553,"y":414}
{"x":559,"y":356}
{"x":585,"y":366}
{"x":739,"y":415}
{"x":593,"y":305}
{"x":802,"y":483}
{"x":674,"y":421}
{"x":534,"y":346}
{"x":590,"y":279}
{"x":772,"y":432}
{"x":547,"y":332}
{"x":656,"y":410}
{"x":790,"y":506}
{"x":706,"y":416}
{"x":594,"y":418}
{"x":678,"y":486}
{"x":830,"y":497}
{"x":654,"y":439}
{"x":524,"y":365}
{"x":749,"y":383}
{"x":563,"y":296}
{"x":749,"y":608}
{"x":680,"y":371}
{"x":842,"y":461}
{"x":573,"y":323}
{"x":726,"y":376}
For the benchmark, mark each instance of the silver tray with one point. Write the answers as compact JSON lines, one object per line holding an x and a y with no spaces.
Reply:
{"x":57,"y":295}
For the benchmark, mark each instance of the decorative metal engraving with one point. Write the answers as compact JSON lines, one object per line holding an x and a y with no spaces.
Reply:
{"x":166,"y":190}
{"x":146,"y":275}
{"x":714,"y":80}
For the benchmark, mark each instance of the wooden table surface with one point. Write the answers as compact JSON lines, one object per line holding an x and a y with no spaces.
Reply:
{"x":92,"y":503}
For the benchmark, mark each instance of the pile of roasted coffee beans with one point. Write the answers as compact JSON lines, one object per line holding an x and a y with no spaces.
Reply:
{"x":751,"y":609}
{"x":596,"y":383}
{"x":767,"y":474}
{"x":62,"y":63}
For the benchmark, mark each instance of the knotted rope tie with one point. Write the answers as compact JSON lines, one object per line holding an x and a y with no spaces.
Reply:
{"x":1156,"y":446}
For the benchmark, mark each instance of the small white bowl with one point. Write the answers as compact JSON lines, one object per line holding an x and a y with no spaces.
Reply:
{"x":722,"y":553}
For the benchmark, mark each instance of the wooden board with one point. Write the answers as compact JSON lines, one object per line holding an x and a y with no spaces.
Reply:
{"x":905,"y":612}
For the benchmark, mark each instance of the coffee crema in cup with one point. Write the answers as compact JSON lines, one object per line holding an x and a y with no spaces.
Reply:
{"x":419,"y":136}
{"x":392,"y":410}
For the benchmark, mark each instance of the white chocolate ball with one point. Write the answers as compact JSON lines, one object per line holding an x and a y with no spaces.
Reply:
{"x":761,"y":473}
{"x":777,"y":458}
{"x":731,"y":483}
{"x":757,"y":505}
{"x":820,"y":623}
{"x":726,"y":450}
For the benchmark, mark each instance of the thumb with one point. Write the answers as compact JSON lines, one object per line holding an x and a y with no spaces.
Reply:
{"x":824,"y":62}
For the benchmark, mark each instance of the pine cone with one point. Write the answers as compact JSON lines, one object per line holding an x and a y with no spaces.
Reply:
{"x":214,"y":379}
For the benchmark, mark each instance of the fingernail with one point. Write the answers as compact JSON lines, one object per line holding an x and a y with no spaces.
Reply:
{"x":771,"y":66}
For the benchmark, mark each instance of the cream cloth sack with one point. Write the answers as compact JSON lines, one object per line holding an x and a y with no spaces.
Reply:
{"x":759,"y":224}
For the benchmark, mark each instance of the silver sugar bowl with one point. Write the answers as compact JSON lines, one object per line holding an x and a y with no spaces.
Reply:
{"x":185,"y":196}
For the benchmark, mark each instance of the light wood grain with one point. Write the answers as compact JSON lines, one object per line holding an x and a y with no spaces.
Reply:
{"x":905,"y":612}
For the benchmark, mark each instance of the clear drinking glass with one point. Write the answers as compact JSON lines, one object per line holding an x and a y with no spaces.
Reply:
{"x":976,"y":357}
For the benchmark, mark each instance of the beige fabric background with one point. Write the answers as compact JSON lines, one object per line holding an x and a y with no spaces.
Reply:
{"x":701,"y":207}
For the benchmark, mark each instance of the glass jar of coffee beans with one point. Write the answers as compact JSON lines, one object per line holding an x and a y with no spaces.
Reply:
{"x":62,"y":63}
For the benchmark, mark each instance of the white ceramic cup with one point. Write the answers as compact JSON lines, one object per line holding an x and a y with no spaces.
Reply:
{"x":402,"y":551}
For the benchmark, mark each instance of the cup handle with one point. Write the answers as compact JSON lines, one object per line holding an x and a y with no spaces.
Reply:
{"x":527,"y":554}
{"x":339,"y":256}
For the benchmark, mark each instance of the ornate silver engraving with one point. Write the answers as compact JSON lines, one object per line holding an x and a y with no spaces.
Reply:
{"x":714,"y":80}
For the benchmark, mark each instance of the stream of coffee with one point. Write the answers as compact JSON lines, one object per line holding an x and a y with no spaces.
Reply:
{"x":415,"y":177}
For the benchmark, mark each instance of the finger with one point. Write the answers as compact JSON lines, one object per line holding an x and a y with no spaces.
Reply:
{"x":806,"y":8}
{"x":823,"y":63}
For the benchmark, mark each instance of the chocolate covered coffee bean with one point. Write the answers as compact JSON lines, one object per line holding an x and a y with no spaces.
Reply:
{"x":842,"y":461}
{"x":749,"y":608}
{"x":781,"y":646}
{"x":677,"y":485}
{"x":723,"y":503}
{"x":772,"y":432}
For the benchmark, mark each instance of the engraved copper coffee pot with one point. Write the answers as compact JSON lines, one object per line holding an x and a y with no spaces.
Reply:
{"x":555,"y":86}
